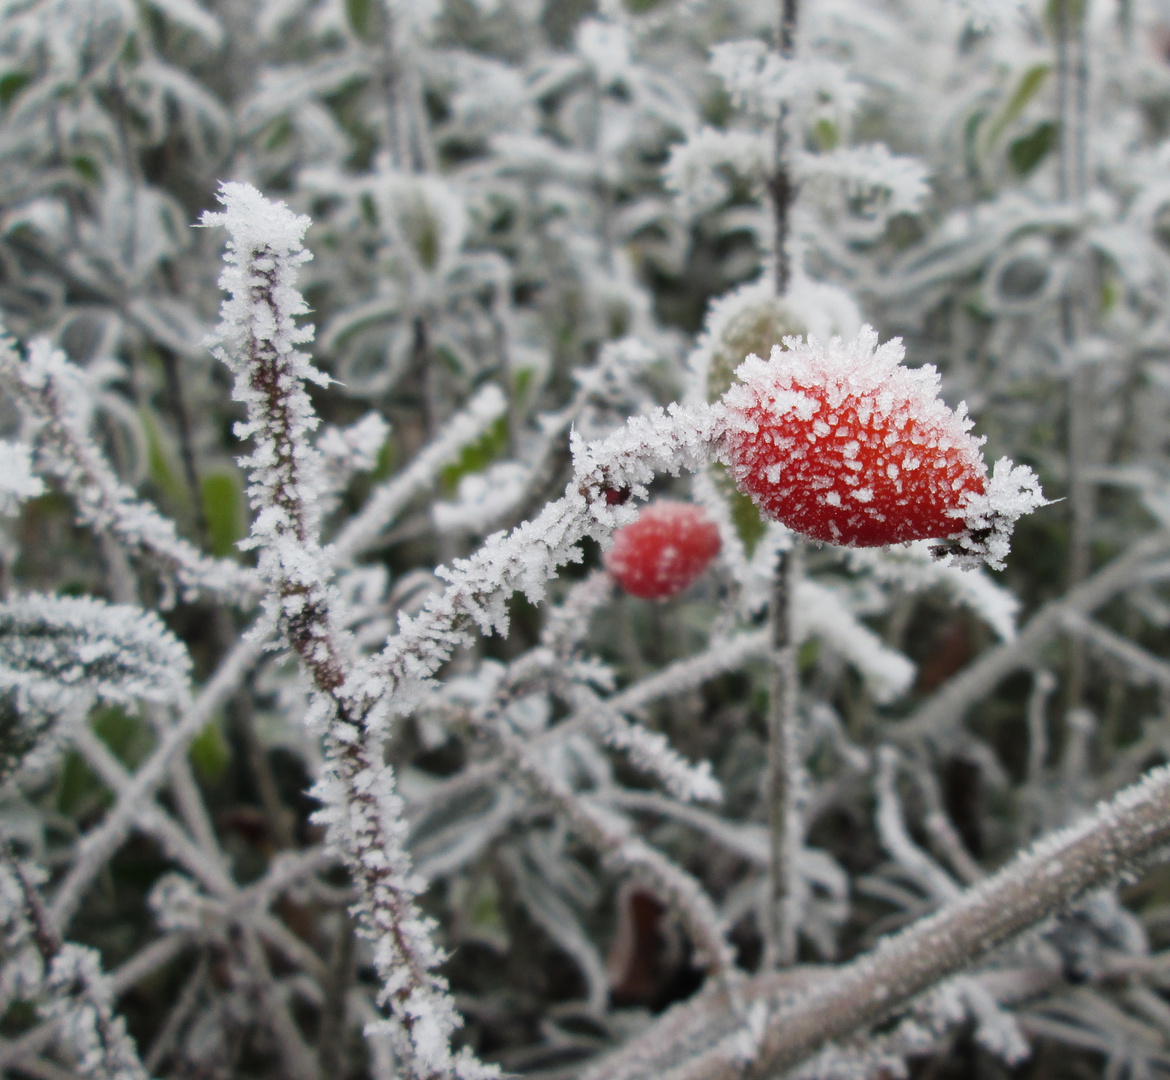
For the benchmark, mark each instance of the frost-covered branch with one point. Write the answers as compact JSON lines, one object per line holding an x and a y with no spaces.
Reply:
{"x":827,"y":1004}
{"x":257,"y":339}
{"x":78,"y":997}
{"x":1119,"y":836}
{"x":55,"y":403}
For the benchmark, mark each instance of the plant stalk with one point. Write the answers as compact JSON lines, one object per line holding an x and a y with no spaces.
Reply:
{"x":784,"y":761}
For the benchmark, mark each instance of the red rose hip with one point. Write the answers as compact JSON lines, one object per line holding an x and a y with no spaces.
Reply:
{"x":843,"y":444}
{"x":664,"y":551}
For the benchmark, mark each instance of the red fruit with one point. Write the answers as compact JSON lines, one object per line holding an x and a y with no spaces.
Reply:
{"x":844,"y":444}
{"x":664,"y":552}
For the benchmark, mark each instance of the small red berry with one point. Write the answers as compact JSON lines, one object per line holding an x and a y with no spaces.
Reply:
{"x":843,"y":444}
{"x":664,"y":551}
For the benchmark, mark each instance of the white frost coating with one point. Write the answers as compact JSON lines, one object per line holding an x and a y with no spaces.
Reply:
{"x":257,"y":339}
{"x":1012,"y":492}
{"x":483,"y":497}
{"x":695,"y":170}
{"x":17,"y":481}
{"x":56,"y":403}
{"x":53,"y":649}
{"x":81,"y":999}
{"x":821,"y":613}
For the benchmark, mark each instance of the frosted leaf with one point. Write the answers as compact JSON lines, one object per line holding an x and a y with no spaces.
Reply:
{"x":821,"y":613}
{"x":190,"y":14}
{"x":761,"y":80}
{"x":996,"y":1030}
{"x":915,"y":568}
{"x":606,"y":46}
{"x":346,"y":451}
{"x":696,"y":168}
{"x":873,"y":166}
{"x":354,"y":448}
{"x":55,"y":648}
{"x":862,"y":187}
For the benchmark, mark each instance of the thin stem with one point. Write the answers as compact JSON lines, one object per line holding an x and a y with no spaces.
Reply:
{"x":784,"y":772}
{"x":1072,"y":92}
{"x":780,"y":940}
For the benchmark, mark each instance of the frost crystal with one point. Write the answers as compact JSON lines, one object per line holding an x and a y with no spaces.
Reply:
{"x":17,"y":482}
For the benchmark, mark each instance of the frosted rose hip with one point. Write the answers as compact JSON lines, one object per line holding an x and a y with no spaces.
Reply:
{"x":664,"y":552}
{"x":843,"y":444}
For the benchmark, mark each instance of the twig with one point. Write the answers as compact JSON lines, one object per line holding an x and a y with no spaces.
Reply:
{"x":825,"y":1005}
{"x":98,"y":845}
{"x":784,"y":751}
{"x":785,"y":771}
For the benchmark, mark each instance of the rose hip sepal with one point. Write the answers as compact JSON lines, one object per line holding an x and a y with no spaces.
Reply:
{"x":843,"y":444}
{"x":663,"y":552}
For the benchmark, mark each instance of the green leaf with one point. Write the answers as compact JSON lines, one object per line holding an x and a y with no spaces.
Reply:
{"x":1027,"y":88}
{"x":223,"y":502}
{"x":86,"y":167}
{"x":164,"y":470}
{"x":477,"y":456}
{"x":745,"y":516}
{"x":129,"y":737}
{"x":362,"y":15}
{"x":1109,"y":296}
{"x":826,"y":134}
{"x":386,"y":460}
{"x":808,"y":654}
{"x":521,"y":382}
{"x":1026,"y":152}
{"x":11,"y":84}
{"x":209,"y":751}
{"x":79,"y":791}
